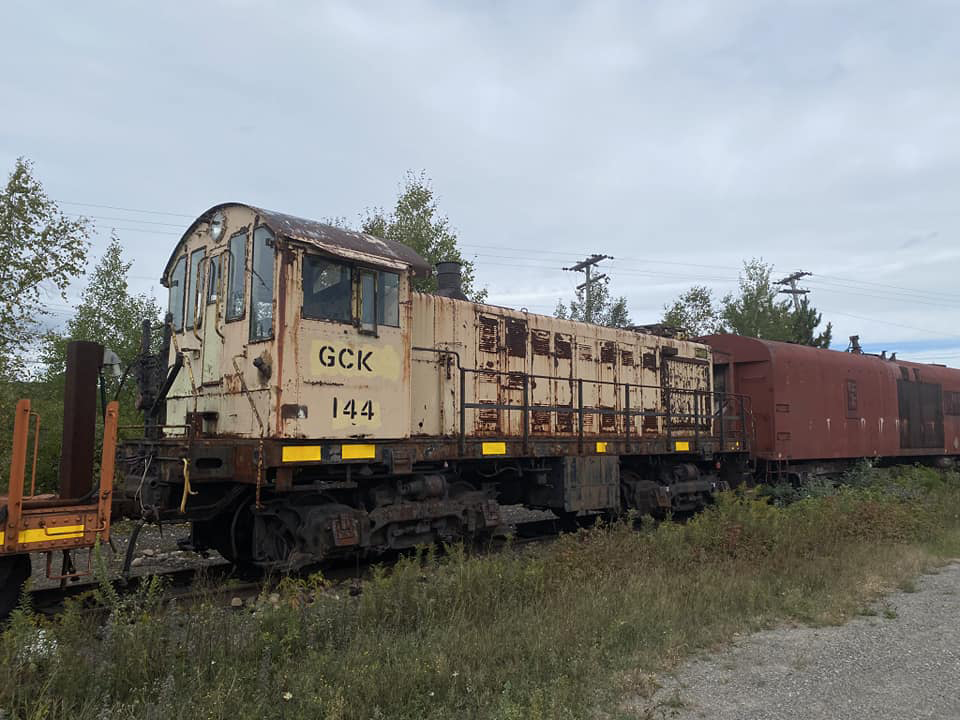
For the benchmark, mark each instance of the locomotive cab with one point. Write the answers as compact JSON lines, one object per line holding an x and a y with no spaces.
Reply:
{"x":287,"y":328}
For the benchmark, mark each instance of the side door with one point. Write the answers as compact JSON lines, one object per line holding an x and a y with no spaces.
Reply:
{"x":211,"y":371}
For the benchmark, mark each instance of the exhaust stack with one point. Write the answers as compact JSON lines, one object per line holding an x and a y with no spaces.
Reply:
{"x":449,"y":280}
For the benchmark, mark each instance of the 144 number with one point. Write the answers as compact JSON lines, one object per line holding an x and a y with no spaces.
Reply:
{"x":352,"y":408}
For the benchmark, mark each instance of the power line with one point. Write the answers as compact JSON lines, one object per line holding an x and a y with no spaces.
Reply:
{"x":124,"y":209}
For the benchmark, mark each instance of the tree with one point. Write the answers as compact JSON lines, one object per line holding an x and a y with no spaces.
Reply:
{"x":41,"y":250}
{"x":805,"y":321}
{"x":694,"y":313}
{"x":110,"y":315}
{"x":755,"y":310}
{"x":416,"y":221}
{"x":603,"y":309}
{"x":758,"y":312}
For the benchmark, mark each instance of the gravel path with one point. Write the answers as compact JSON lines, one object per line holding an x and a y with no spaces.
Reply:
{"x":903,"y":662}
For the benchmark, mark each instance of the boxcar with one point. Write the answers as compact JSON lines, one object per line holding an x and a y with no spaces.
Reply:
{"x":812,"y":405}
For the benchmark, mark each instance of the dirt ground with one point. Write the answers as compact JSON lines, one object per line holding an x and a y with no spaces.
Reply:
{"x":155,"y":552}
{"x":899,"y":659}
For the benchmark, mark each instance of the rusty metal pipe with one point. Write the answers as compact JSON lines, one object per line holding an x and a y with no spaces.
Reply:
{"x":36,"y":451}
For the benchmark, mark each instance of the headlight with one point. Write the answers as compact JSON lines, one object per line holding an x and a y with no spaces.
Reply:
{"x":216,"y":226}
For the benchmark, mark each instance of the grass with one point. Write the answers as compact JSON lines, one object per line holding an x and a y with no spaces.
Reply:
{"x":563,"y":631}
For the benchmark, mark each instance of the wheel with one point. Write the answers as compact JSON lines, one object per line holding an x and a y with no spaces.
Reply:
{"x":14,"y":571}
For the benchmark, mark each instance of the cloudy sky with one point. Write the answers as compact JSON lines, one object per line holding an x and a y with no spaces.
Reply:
{"x":679,"y":136}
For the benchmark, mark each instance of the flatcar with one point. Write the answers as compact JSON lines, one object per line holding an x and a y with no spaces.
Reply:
{"x":815,"y":410}
{"x":306,"y":402}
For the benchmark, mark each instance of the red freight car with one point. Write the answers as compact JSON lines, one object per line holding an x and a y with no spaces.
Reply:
{"x":811,"y":404}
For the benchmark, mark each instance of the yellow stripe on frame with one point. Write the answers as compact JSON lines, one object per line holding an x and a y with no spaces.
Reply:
{"x":494,"y":448}
{"x":601,"y":447}
{"x":63,"y":532}
{"x":358,"y":452}
{"x":681,"y":446}
{"x":302,"y":453}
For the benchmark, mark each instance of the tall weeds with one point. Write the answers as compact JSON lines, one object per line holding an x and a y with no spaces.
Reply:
{"x":532,"y":634}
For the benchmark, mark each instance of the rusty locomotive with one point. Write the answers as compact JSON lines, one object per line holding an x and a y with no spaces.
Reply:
{"x":303,"y":401}
{"x":308,"y":402}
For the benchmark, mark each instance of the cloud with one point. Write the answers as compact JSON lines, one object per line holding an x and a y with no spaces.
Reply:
{"x":822,"y":136}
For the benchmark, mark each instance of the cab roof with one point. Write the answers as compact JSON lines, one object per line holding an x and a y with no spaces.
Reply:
{"x":337,"y":241}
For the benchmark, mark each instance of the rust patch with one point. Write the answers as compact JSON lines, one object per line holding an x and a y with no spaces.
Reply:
{"x":562,"y":346}
{"x":516,"y":337}
{"x":489,"y":334}
{"x":540,"y":342}
{"x":608,"y":352}
{"x":608,"y":423}
{"x":649,"y":421}
{"x":540,"y":421}
{"x":487,"y":376}
{"x":515,"y":380}
{"x":488,"y":419}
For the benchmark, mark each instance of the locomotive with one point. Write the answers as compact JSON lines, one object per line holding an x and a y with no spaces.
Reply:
{"x":307,"y":402}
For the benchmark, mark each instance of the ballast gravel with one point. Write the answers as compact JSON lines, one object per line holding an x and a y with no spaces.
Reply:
{"x":899,"y":664}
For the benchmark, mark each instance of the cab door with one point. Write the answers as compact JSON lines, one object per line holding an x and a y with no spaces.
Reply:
{"x":212,"y":298}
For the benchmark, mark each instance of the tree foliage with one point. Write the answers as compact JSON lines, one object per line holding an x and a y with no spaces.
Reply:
{"x":41,"y":251}
{"x":107,"y":314}
{"x":603,"y":310}
{"x":756,"y":310}
{"x":694,"y":313}
{"x":416,"y":221}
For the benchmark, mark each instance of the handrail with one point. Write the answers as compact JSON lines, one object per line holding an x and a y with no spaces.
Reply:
{"x":701,"y":420}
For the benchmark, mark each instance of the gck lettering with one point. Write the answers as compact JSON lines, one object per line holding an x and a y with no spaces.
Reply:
{"x":347,"y":358}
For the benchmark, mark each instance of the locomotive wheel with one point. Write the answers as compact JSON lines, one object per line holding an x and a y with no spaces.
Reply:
{"x":14,"y":571}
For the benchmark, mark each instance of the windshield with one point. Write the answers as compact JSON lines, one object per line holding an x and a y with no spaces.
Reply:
{"x":327,"y":287}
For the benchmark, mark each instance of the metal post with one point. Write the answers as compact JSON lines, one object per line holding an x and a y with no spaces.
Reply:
{"x":463,"y":411}
{"x":526,"y":412}
{"x":626,"y":409}
{"x":18,"y":468}
{"x":743,"y":424}
{"x":723,"y":404}
{"x":696,"y":420}
{"x":668,"y":420}
{"x":580,"y":411}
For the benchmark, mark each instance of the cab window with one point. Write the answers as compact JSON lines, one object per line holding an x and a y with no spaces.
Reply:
{"x":194,"y":298}
{"x":379,"y":299}
{"x":213,"y":278}
{"x":388,"y":299}
{"x":178,"y":279}
{"x":327,"y":289}
{"x":261,"y":285}
{"x":236,"y":276}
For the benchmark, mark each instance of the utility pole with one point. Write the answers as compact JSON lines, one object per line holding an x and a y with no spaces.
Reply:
{"x":585,"y":267}
{"x":791,"y":280}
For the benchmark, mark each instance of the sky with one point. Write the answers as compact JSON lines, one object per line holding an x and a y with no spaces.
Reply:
{"x":681,"y":137}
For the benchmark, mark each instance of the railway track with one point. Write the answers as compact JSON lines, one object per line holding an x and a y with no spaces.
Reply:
{"x":221,"y":581}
